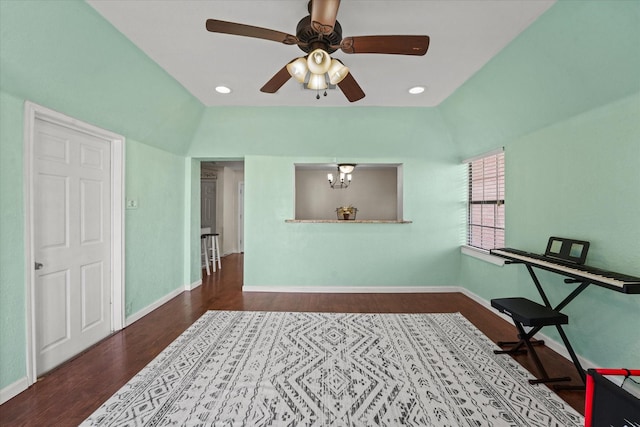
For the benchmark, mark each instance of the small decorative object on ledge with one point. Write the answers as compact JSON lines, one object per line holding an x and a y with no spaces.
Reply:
{"x":346,"y":212}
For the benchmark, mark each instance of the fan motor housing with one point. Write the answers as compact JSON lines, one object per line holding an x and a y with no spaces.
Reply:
{"x":313,"y":40}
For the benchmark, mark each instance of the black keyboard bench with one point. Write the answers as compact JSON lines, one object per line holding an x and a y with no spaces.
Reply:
{"x":525,"y":312}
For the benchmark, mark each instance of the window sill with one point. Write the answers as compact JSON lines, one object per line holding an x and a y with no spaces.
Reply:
{"x":482,"y":254}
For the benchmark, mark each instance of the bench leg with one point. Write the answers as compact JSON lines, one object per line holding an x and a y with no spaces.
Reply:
{"x":525,"y":340}
{"x":513,"y":343}
{"x":516,"y":346}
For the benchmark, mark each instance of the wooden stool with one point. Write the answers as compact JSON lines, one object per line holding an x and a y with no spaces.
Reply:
{"x":525,"y":312}
{"x":205,"y":251}
{"x":211,"y":246}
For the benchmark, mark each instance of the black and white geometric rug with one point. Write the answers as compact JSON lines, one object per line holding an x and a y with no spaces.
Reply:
{"x":332,"y":369}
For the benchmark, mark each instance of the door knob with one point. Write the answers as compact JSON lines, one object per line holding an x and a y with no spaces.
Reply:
{"x":38,"y":265}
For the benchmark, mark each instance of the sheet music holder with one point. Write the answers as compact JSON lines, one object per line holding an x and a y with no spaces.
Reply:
{"x":574,"y":251}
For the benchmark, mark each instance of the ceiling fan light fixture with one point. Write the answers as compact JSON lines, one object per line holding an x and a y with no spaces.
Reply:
{"x":298,"y":69}
{"x":337,"y":72}
{"x":317,"y":82}
{"x":223,"y":89}
{"x":318,"y":61}
{"x":318,"y":35}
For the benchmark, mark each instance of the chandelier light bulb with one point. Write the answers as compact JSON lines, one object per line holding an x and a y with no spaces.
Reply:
{"x":346,"y":167}
{"x":343,"y":177}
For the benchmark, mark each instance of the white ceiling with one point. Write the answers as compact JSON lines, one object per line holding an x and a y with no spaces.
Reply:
{"x":465,"y":35}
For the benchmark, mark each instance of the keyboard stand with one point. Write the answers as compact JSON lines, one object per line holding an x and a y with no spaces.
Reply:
{"x":576,"y":273}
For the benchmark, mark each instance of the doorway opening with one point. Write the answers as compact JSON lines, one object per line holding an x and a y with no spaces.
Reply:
{"x":221,"y":202}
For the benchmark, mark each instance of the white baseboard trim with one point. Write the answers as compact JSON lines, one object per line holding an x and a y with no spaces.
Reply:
{"x":193,"y":285}
{"x":12,"y":390}
{"x":353,"y":289}
{"x":148,"y":309}
{"x":554,"y":345}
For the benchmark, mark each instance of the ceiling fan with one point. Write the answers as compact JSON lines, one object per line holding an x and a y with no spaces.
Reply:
{"x":320,"y":34}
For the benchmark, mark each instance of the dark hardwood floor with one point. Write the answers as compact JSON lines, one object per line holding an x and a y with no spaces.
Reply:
{"x":70,"y":393}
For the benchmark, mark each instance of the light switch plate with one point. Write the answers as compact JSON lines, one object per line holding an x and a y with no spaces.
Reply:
{"x":132,"y":204}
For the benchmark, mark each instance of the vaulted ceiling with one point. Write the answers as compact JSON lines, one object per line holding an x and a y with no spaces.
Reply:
{"x":67,"y":56}
{"x":465,"y":35}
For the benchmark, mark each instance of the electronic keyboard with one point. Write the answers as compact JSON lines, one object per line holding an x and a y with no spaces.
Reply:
{"x":580,"y":273}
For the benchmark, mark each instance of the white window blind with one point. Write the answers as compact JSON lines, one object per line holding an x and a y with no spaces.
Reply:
{"x":486,"y":209}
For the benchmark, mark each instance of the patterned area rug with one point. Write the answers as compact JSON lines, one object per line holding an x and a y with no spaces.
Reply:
{"x":329,"y":369}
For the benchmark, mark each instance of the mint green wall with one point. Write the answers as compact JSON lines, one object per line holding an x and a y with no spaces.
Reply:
{"x":578,"y":178}
{"x":563,"y":101}
{"x":332,"y":132}
{"x":577,"y":56}
{"x":422,"y":253}
{"x":153,"y":243}
{"x":64,"y":56}
{"x":12,"y":273}
{"x":154,"y":236}
{"x":425,"y":252}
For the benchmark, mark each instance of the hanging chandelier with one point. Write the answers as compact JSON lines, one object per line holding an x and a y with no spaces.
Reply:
{"x":343,"y":177}
{"x":318,"y":71}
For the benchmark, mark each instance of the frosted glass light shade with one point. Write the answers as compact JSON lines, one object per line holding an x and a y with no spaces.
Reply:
{"x":298,"y":69}
{"x":337,"y":72}
{"x":346,"y":168}
{"x":317,"y":82}
{"x":318,"y":61}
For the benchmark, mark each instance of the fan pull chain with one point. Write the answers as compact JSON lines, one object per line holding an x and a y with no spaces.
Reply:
{"x":318,"y":94}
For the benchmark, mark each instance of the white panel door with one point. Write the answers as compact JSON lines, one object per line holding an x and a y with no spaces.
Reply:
{"x":72,"y":242}
{"x":208,"y":204}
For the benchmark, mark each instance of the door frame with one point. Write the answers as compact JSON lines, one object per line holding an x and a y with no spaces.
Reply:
{"x":32,"y":112}
{"x":240,"y":216}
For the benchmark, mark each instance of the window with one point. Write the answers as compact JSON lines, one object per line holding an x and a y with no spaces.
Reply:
{"x":485,"y":213}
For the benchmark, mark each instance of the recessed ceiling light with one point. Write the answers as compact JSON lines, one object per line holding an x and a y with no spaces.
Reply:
{"x":223,"y":89}
{"x":416,"y":90}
